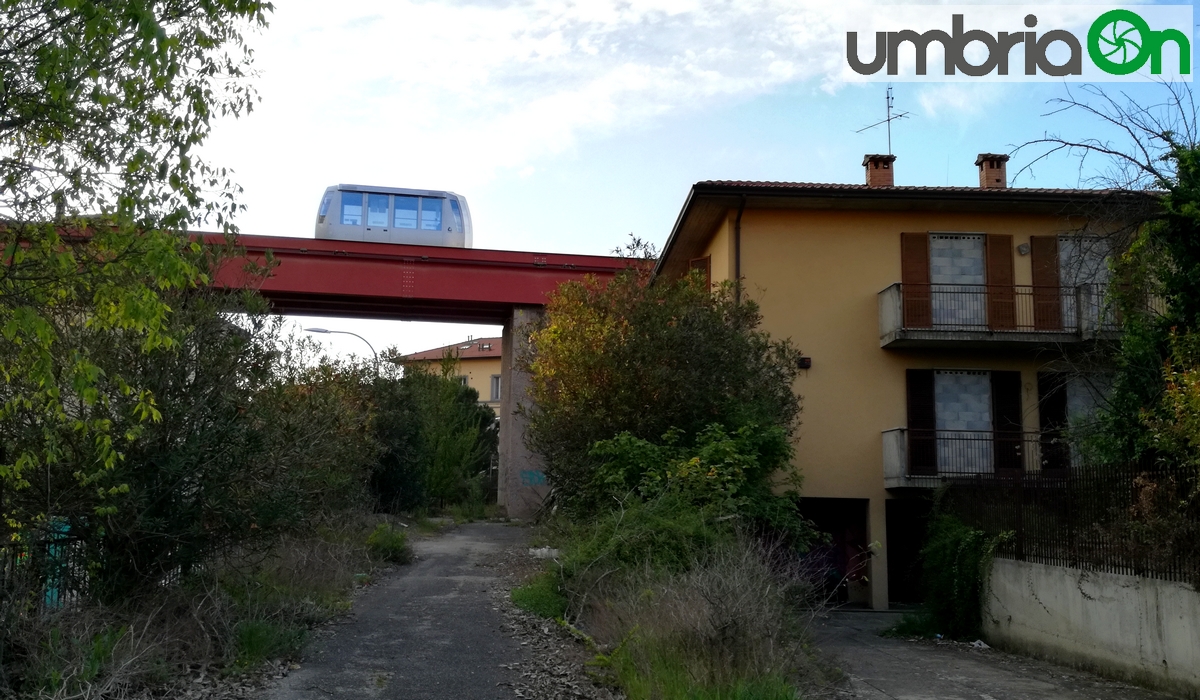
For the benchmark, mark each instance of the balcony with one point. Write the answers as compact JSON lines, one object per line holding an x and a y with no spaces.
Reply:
{"x":969,"y":315}
{"x":927,"y":458}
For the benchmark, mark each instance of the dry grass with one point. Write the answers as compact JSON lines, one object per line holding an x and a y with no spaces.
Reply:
{"x":244,"y":609}
{"x":739,"y":615}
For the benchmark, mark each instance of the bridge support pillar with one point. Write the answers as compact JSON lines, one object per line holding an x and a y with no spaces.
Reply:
{"x":522,"y":482}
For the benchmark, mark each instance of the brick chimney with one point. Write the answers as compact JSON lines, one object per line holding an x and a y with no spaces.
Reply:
{"x":879,"y":170}
{"x":993,"y":173}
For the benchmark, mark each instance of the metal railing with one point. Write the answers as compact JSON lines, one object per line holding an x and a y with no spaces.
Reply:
{"x":971,"y":453}
{"x":1079,"y":310}
{"x":1133,"y":520}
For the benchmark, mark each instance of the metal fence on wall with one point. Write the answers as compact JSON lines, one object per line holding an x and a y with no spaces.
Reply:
{"x":1122,"y":520}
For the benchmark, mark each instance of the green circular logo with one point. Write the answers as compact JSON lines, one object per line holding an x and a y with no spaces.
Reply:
{"x":1117,"y":42}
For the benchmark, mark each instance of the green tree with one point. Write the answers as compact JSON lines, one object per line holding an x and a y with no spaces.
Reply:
{"x":645,"y":361}
{"x":1152,"y":222}
{"x":438,"y":439}
{"x":102,"y":107}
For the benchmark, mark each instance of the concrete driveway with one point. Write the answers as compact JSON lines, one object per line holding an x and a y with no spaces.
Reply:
{"x":880,"y":668}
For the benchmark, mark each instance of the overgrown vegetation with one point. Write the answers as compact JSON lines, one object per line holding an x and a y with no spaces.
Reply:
{"x":956,"y":561}
{"x":666,"y":418}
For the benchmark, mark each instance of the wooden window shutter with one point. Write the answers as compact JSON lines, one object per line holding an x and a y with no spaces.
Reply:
{"x":1052,"y":420}
{"x":704,"y":265}
{"x":1001,"y":294}
{"x":914,"y":276}
{"x":922,"y":423}
{"x":1007,"y":420}
{"x":1047,"y":299}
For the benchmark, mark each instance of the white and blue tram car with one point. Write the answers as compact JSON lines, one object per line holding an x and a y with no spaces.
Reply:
{"x":394,"y":215}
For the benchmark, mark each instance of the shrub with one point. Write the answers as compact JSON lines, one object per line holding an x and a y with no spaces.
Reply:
{"x":438,"y":440}
{"x":389,"y":543}
{"x":957,"y":561}
{"x":630,"y":357}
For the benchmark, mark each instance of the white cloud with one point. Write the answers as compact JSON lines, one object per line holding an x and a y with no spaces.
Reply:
{"x":452,"y":95}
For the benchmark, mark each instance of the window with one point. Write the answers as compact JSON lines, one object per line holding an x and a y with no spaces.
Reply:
{"x":406,"y":212}
{"x":377,"y":206}
{"x":431,"y":214}
{"x":957,"y":274}
{"x":495,"y":387}
{"x":964,"y":421}
{"x":324,"y":208}
{"x":456,"y":212}
{"x":461,"y":380}
{"x":352,"y":208}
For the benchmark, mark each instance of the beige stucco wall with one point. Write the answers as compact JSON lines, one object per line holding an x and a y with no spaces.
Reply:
{"x":478,"y":372}
{"x":816,"y":276}
{"x":1135,"y":628}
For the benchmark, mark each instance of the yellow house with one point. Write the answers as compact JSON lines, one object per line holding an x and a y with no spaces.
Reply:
{"x":478,"y":366}
{"x":935,"y":324}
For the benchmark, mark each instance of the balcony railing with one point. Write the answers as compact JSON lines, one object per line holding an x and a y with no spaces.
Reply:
{"x":926,"y":457}
{"x":913,"y":314}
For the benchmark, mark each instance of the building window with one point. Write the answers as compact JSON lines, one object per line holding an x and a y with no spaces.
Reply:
{"x":495,"y":387}
{"x":462,"y":380}
{"x":965,"y":422}
{"x":957,"y":273}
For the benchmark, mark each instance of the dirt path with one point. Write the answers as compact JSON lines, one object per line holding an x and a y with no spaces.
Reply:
{"x":429,"y":630}
{"x":881,"y":668}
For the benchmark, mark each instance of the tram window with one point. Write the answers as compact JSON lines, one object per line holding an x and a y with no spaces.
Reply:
{"x":377,"y":205}
{"x":431,"y":214}
{"x":406,"y":212}
{"x":352,"y":206}
{"x":457,"y":214}
{"x":325,"y":206}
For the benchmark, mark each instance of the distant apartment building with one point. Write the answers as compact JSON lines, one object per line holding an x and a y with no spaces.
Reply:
{"x":478,"y":366}
{"x":937,"y":325}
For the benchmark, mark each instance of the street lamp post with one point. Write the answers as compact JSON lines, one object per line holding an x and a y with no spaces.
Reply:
{"x":326,"y":330}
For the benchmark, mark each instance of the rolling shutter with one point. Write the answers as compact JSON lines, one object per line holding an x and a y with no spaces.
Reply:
{"x":1047,"y":304}
{"x":1001,"y":295}
{"x":914,"y":276}
{"x":1052,"y":420}
{"x":704,"y":265}
{"x":922,"y":423}
{"x":1006,"y":420}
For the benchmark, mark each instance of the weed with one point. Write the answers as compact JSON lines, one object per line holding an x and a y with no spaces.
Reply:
{"x":913,"y":624}
{"x":541,"y":596}
{"x":259,"y":640}
{"x":389,"y":543}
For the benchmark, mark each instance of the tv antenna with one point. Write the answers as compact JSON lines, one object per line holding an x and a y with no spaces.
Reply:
{"x":890,"y":118}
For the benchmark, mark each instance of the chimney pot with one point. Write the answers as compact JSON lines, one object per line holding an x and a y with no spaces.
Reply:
{"x":993,"y":173}
{"x":880,"y":172}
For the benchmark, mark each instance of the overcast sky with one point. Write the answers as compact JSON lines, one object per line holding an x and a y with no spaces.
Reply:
{"x":568,"y":126}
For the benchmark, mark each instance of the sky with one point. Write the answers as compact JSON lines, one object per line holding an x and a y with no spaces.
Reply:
{"x":569,"y":126}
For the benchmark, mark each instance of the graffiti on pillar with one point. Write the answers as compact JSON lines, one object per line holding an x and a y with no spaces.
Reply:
{"x":533,"y":477}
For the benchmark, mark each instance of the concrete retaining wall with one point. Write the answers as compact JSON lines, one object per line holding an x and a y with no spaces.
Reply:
{"x":1128,"y":627}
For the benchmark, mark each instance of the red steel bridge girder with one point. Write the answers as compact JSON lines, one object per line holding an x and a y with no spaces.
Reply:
{"x":406,"y":282}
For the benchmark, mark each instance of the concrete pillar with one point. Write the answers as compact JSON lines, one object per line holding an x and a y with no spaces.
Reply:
{"x":522,"y":481}
{"x":877,"y":566}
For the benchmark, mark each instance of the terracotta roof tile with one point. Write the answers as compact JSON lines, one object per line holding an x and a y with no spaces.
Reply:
{"x":466,"y":350}
{"x":901,"y":188}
